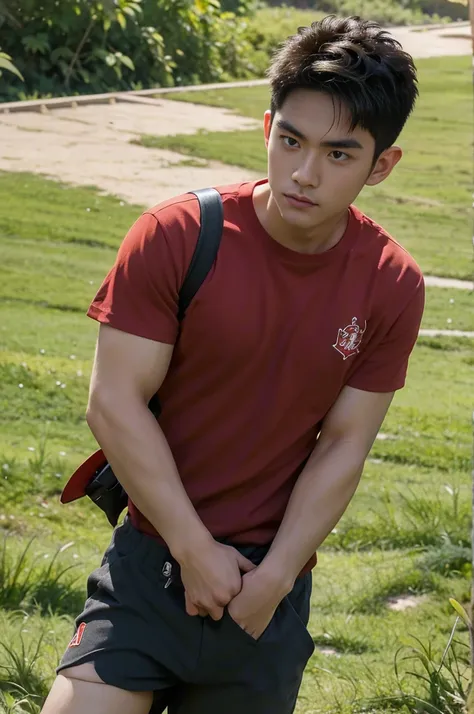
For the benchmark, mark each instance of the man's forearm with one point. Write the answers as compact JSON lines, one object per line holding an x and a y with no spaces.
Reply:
{"x":321,"y":495}
{"x":140,"y":456}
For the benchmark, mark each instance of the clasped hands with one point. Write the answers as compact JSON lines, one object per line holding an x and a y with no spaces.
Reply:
{"x":213,"y":580}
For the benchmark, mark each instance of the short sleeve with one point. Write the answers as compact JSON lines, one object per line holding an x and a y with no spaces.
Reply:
{"x":140,"y":293}
{"x":383,"y":367}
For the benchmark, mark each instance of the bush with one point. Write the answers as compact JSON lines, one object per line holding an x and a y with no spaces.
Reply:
{"x":266,"y":28}
{"x":92,"y":46}
{"x":452,"y":9}
{"x":78,"y":46}
{"x":386,"y":12}
{"x":389,"y":12}
{"x":269,"y":27}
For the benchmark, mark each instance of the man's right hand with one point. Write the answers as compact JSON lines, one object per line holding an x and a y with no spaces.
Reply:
{"x":212,"y":578}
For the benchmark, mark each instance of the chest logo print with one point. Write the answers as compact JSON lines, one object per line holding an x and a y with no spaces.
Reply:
{"x":349,"y":339}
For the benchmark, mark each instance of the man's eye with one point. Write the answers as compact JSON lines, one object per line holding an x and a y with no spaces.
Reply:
{"x":289,"y":141}
{"x":339,"y":155}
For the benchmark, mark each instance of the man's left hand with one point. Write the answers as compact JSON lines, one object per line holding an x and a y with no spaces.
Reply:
{"x":253,"y":608}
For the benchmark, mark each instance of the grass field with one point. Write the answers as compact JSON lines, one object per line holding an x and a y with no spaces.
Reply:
{"x":425,"y":204}
{"x":406,"y":533}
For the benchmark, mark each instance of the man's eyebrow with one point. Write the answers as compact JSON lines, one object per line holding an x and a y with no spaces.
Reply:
{"x":334,"y":144}
{"x":342,"y":144}
{"x":287,"y":126}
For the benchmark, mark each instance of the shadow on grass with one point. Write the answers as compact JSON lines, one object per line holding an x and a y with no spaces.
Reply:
{"x":344,"y":643}
{"x":414,"y":582}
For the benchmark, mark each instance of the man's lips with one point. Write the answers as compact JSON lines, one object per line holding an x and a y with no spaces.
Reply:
{"x":302,"y":199}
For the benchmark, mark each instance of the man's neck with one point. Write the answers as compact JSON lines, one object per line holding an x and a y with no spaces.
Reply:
{"x":317,"y":240}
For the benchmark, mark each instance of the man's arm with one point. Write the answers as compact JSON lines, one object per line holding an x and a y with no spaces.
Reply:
{"x":329,"y":480}
{"x":128,"y":370}
{"x":322,"y":493}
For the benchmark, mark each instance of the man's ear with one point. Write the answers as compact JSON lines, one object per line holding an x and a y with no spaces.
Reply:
{"x":267,"y":125}
{"x":384,"y":165}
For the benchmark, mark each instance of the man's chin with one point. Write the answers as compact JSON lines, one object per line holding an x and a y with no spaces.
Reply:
{"x":295,"y":217}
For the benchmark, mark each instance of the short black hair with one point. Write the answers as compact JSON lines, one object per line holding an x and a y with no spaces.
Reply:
{"x":361,"y":66}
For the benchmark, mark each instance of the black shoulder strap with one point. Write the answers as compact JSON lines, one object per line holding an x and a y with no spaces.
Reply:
{"x":205,"y":253}
{"x":212,"y":220}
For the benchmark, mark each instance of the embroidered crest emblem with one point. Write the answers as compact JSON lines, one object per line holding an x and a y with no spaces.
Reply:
{"x":349,"y":339}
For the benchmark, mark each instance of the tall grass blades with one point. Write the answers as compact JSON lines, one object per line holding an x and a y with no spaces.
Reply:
{"x":19,"y":678}
{"x":16,"y":579}
{"x":11,"y":705}
{"x":26,"y":582}
{"x":438,"y":686}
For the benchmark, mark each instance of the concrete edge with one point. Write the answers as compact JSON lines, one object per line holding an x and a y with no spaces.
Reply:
{"x":464,"y":36}
{"x":44,"y":105}
{"x":439,"y":26}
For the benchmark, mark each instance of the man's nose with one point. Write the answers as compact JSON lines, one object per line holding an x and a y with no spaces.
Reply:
{"x":308,"y":172}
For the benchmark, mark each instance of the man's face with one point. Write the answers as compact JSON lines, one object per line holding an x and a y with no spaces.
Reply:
{"x":312,"y":153}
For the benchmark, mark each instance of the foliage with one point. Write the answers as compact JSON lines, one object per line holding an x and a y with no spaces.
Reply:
{"x":454,"y":9}
{"x":269,"y":26}
{"x":10,"y":704}
{"x":390,"y":12}
{"x":7,"y":64}
{"x":444,"y":683}
{"x":77,"y":46}
{"x":82,"y":46}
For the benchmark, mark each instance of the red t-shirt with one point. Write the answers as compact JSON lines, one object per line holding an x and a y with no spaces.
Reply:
{"x":265,"y":347}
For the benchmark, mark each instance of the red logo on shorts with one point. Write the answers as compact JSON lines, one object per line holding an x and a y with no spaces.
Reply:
{"x":76,"y":640}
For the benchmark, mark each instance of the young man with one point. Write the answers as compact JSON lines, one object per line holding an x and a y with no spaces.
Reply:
{"x":285,"y":366}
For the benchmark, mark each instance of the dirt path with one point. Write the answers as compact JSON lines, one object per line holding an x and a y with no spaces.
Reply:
{"x":434,"y":282}
{"x":446,"y":333}
{"x":434,"y":41}
{"x":91,"y":144}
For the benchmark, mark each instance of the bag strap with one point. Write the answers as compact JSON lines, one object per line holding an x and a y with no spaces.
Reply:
{"x":210,"y":233}
{"x":205,"y":253}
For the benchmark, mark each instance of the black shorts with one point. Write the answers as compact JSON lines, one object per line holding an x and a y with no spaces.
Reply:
{"x":136,"y":631}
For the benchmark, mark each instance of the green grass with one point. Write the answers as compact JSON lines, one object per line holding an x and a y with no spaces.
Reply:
{"x":405,"y":533}
{"x":425,"y":204}
{"x":449,"y":309}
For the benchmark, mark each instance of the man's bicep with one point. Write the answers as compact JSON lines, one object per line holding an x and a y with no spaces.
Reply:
{"x":357,"y":416}
{"x":125,"y":364}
